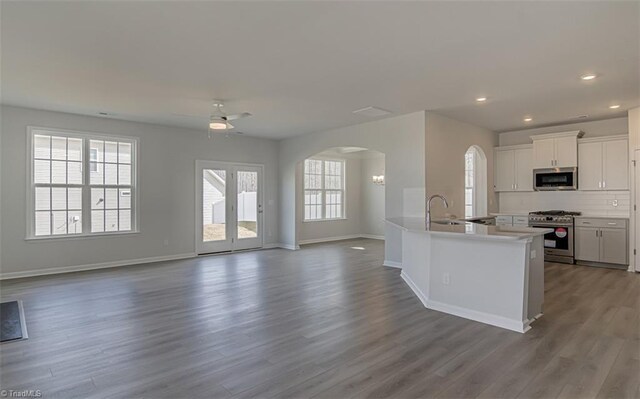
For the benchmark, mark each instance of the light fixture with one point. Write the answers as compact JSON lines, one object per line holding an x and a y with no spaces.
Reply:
{"x":528,"y":119}
{"x":589,"y":76}
{"x":615,"y":106}
{"x":219,"y":124}
{"x":378,"y":179}
{"x":481,"y":99}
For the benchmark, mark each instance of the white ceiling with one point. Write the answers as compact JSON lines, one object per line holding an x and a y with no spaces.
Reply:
{"x":301,"y":67}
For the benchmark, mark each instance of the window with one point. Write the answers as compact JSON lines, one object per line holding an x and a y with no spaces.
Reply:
{"x":475,"y":183}
{"x":469,"y":182}
{"x":67,"y":201}
{"x":323,"y":189}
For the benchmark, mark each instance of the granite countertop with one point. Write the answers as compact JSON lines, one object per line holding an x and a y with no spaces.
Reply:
{"x":521,"y":213}
{"x":601,"y":216}
{"x":468,"y":230}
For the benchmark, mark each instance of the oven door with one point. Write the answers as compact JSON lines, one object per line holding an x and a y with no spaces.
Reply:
{"x":555,"y":179}
{"x":559,"y":242}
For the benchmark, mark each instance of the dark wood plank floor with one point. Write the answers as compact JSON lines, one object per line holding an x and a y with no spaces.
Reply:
{"x":327,"y":321}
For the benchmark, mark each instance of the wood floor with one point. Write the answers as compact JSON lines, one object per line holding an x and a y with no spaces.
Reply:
{"x":327,"y":321}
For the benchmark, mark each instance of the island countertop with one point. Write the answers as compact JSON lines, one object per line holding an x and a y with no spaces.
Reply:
{"x":468,"y":230}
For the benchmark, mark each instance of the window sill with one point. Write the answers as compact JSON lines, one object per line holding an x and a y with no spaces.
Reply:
{"x":81,"y":236}
{"x":323,"y":220}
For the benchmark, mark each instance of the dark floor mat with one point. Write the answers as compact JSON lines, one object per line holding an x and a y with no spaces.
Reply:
{"x":11,"y":321}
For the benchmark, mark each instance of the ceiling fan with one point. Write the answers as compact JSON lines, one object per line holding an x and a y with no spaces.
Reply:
{"x":219,"y":120}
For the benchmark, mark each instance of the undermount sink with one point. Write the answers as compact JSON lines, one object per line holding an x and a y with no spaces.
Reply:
{"x":448,"y":222}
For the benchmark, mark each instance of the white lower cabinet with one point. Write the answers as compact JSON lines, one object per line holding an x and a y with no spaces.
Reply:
{"x":512,"y":220}
{"x":613,"y":246}
{"x":602,"y":240}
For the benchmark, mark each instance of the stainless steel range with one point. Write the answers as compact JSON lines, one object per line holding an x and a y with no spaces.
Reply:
{"x":558,"y":246}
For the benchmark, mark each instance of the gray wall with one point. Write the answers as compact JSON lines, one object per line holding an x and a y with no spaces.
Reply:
{"x":166,"y":189}
{"x":372,"y":206}
{"x":607,"y":127}
{"x":401,"y":139}
{"x":447,"y":140}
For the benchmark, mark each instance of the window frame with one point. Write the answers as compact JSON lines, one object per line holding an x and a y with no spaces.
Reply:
{"x":323,"y":190}
{"x":86,"y":184}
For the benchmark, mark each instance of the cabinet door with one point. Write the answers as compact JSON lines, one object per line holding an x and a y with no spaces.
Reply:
{"x":504,"y":171}
{"x":566,"y":149}
{"x":615,"y":165}
{"x":543,"y":153}
{"x":590,"y":166}
{"x":613,"y":246}
{"x":587,"y":244}
{"x":523,"y":169}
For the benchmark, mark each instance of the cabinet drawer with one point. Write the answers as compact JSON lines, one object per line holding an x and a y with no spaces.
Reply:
{"x":520,"y":220}
{"x":502,"y":220}
{"x":601,"y":222}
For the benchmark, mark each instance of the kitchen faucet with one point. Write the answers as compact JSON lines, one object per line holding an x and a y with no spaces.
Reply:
{"x":446,"y":205}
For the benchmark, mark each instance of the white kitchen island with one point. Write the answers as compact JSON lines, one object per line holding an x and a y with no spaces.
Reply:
{"x":491,"y":274}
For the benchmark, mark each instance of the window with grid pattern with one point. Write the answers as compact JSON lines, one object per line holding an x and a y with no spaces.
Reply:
{"x":68,"y":200}
{"x":323,"y":189}
{"x":469,"y":183}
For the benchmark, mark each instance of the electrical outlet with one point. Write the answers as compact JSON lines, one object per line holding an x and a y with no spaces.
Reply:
{"x":446,"y":279}
{"x":533,"y":254}
{"x":615,"y":203}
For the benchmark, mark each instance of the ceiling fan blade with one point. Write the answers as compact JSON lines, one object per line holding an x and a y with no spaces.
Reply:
{"x":237,"y":116}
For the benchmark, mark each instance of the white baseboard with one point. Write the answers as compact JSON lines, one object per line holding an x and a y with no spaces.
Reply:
{"x":281,"y":245}
{"x":93,"y":266}
{"x":421,"y":296}
{"x":340,"y":238}
{"x":392,"y":263}
{"x":482,"y":317}
{"x":371,"y":237}
{"x":328,"y":239}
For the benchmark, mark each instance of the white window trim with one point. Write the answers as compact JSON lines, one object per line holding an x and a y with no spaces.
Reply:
{"x":86,"y":198}
{"x":344,"y":190}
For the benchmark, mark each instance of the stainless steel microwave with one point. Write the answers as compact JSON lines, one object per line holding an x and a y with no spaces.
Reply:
{"x":554,"y":179}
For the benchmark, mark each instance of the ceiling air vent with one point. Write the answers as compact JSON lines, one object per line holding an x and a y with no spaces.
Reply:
{"x":372,"y":112}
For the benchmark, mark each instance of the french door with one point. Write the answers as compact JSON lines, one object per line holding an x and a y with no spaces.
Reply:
{"x":228,"y":206}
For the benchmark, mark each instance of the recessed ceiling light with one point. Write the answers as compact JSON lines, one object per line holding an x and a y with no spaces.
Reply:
{"x":615,"y":106}
{"x":528,"y":119}
{"x":589,"y":76}
{"x":481,"y":99}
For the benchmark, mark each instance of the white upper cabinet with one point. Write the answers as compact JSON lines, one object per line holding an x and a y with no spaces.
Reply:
{"x":566,"y":152}
{"x":513,"y":170}
{"x":557,"y":150}
{"x":544,"y":153}
{"x":615,"y":165}
{"x":524,"y":169}
{"x":590,"y":166}
{"x":504,"y":176}
{"x":604,"y":164}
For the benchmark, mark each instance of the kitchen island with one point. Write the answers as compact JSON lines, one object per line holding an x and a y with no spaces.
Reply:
{"x":490,"y":274}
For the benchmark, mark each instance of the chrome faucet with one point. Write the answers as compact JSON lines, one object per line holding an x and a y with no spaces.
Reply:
{"x":446,"y":205}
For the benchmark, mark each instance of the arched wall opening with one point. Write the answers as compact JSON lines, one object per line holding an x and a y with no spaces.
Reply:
{"x":340,"y":194}
{"x":402,"y":141}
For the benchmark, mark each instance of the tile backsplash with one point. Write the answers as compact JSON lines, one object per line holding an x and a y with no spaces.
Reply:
{"x":596,"y":203}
